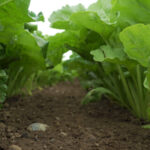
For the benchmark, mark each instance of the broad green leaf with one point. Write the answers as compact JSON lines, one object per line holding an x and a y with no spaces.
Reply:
{"x":28,"y":60}
{"x":61,"y":19}
{"x":25,"y":45}
{"x":144,"y":3}
{"x":80,"y":41}
{"x":136,"y":42}
{"x":13,"y":15}
{"x":92,"y":21}
{"x":17,"y":14}
{"x":20,"y":53}
{"x":103,"y":9}
{"x":130,"y":12}
{"x":57,"y":46}
{"x":16,"y":11}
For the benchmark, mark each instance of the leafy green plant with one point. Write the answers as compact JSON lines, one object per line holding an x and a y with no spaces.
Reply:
{"x":121,"y":49}
{"x":21,"y":55}
{"x":110,"y":45}
{"x":52,"y":76}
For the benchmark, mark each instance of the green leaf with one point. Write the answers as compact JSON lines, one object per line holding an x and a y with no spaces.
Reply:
{"x":25,"y":44}
{"x":130,"y":12}
{"x":28,"y":60}
{"x":103,"y":9}
{"x":79,"y":41}
{"x":145,"y":4}
{"x":106,"y":53}
{"x":16,"y":11}
{"x":92,"y":21}
{"x":57,"y":46}
{"x":41,"y":43}
{"x":20,"y":53}
{"x":61,"y":19}
{"x":136,"y":42}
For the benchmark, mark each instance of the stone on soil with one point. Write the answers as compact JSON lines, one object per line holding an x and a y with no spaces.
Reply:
{"x":38,"y":127}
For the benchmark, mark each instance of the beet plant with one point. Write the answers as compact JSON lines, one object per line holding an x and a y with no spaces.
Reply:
{"x":114,"y":35}
{"x":20,"y":54}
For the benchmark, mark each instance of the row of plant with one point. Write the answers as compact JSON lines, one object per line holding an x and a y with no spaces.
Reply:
{"x":24,"y":64}
{"x":20,"y":53}
{"x":111,"y":50}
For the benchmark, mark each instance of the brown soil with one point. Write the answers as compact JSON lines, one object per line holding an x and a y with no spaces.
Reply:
{"x":98,"y":126}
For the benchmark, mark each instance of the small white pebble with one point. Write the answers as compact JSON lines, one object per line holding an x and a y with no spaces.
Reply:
{"x":37,"y":127}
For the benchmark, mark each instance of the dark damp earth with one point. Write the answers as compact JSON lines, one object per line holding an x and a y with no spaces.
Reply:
{"x":97,"y":126}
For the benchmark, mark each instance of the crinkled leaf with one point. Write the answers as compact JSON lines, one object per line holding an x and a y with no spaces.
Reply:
{"x":106,"y":53}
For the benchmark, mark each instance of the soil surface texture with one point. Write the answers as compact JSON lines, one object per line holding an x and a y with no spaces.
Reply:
{"x":97,"y":126}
